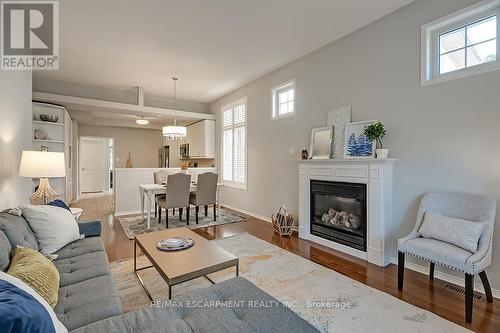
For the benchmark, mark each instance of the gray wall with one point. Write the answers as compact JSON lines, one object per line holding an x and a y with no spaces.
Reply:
{"x":143,"y":144}
{"x":446,"y":136}
{"x":15,"y":136}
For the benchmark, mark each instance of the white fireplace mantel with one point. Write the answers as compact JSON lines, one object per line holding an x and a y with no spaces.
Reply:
{"x":377,"y":174}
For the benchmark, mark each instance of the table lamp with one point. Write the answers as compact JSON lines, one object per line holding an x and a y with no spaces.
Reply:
{"x":43,"y":165}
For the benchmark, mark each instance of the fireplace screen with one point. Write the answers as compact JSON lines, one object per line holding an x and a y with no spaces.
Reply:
{"x":338,"y":212}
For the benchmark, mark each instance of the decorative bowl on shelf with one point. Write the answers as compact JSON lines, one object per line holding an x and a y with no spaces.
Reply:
{"x":52,"y":118}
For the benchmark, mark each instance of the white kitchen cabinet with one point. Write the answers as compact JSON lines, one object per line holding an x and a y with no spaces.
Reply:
{"x":201,"y":139}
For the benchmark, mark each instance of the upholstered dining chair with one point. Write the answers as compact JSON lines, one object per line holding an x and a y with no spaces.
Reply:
{"x":463,"y":206}
{"x":160,"y":177}
{"x":177,"y":195}
{"x":206,"y":193}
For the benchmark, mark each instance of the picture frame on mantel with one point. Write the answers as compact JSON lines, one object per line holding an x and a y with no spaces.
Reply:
{"x":321,"y":143}
{"x":337,"y":119}
{"x":357,"y":144}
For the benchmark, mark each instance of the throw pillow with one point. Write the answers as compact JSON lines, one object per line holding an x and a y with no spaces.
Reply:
{"x":59,"y":203}
{"x":37,"y":272}
{"x":5,"y":249}
{"x":462,"y":233}
{"x":23,"y":310}
{"x":54,"y":227}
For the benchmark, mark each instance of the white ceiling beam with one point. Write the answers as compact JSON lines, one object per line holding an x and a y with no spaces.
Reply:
{"x":95,"y":105}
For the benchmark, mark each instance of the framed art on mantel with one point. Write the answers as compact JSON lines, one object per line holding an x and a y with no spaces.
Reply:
{"x":337,"y":119}
{"x":357,"y":144}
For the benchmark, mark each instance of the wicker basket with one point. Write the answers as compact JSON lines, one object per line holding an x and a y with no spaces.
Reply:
{"x":283,"y":222}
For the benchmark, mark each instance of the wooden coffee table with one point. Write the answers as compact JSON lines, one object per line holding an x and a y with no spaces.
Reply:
{"x":180,"y":266}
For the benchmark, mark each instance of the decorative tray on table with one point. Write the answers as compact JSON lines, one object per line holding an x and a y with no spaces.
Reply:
{"x":175,"y":243}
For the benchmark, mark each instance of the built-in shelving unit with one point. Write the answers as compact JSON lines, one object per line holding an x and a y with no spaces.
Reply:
{"x":59,"y":139}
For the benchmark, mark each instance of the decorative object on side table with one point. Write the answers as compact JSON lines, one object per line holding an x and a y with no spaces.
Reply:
{"x":321,"y":143}
{"x":283,"y":222}
{"x":376,"y":131}
{"x":175,"y":243}
{"x":358,"y":145}
{"x":43,"y":165}
{"x":129,"y":164}
{"x":337,"y":119}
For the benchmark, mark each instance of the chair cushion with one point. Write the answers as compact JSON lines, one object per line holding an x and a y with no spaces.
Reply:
{"x":36,"y":271}
{"x":5,"y":250}
{"x":442,"y":253}
{"x":17,"y":230}
{"x":462,"y":233}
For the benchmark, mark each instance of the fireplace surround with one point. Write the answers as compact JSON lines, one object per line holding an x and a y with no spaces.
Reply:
{"x":346,"y":204}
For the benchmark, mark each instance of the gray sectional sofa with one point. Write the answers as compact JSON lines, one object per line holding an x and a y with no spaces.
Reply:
{"x":89,"y":302}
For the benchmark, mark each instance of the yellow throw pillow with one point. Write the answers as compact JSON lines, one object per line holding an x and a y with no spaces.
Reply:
{"x":38,"y":272}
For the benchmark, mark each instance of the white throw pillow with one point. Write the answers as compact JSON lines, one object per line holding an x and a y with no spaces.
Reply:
{"x":54,"y":227}
{"x":58,"y":326}
{"x":462,"y":233}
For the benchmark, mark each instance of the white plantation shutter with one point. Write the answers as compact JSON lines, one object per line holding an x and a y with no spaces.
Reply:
{"x":234,"y":144}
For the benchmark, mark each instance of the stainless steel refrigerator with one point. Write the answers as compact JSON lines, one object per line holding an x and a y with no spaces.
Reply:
{"x":163,"y":157}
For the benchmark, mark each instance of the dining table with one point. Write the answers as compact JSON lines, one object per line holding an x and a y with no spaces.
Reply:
{"x":148,"y":191}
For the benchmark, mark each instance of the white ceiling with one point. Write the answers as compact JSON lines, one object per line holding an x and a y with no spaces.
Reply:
{"x":213,"y":46}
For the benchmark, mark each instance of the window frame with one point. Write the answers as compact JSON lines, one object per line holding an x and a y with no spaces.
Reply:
{"x":430,"y":35}
{"x":288,"y":85}
{"x":232,"y":105}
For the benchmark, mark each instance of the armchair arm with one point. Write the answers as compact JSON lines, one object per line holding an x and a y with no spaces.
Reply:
{"x":90,"y":228}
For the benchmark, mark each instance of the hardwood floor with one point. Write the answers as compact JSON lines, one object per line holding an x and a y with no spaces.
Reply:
{"x":418,"y":290}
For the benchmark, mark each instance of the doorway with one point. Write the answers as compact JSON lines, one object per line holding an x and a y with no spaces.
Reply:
{"x":96,"y":155}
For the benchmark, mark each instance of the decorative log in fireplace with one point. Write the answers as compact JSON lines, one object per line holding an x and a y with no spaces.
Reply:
{"x":338,"y":212}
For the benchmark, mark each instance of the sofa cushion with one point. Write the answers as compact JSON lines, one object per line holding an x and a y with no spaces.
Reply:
{"x":37,"y":271}
{"x":17,"y":230}
{"x":5,"y":250}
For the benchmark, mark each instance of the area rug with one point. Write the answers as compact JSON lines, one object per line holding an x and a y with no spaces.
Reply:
{"x":134,"y":225}
{"x":330,"y":301}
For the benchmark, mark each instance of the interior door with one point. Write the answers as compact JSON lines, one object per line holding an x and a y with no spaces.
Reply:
{"x":92,"y":165}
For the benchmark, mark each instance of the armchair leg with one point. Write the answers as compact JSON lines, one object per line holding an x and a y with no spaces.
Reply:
{"x":166,"y":218}
{"x":487,"y":287}
{"x":197,"y":210}
{"x":469,"y":293}
{"x":215,"y":212}
{"x":401,"y":269}
{"x":431,"y":272}
{"x":206,"y":210}
{"x":188,"y":212}
{"x":180,"y":213}
{"x":156,"y":209}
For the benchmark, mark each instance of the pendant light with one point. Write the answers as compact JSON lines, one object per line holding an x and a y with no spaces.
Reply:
{"x":142,"y":121}
{"x":174,"y":133}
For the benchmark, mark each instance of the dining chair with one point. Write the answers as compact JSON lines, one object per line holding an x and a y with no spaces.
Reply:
{"x":206,"y":193}
{"x":177,"y":195}
{"x":159,"y":177}
{"x":464,"y":206}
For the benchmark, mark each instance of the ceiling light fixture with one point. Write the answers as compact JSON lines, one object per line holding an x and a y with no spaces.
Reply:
{"x":174,"y":133}
{"x":142,"y":121}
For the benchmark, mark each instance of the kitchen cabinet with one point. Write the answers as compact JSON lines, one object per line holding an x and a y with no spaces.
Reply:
{"x":201,"y":139}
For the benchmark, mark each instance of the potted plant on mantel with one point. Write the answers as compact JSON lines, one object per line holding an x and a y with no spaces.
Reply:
{"x":376,"y":132}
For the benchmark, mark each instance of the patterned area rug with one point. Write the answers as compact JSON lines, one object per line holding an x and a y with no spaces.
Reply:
{"x":330,"y":301}
{"x":135,"y":226}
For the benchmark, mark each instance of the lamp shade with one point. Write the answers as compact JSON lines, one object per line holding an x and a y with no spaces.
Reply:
{"x":39,"y":164}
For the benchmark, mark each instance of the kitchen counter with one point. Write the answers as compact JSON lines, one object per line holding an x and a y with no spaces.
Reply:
{"x":126,"y":186}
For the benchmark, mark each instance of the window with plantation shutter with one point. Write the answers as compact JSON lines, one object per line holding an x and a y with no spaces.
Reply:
{"x":234,"y":144}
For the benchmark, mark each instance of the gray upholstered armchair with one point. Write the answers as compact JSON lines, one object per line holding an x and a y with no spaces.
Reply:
{"x":463,"y":206}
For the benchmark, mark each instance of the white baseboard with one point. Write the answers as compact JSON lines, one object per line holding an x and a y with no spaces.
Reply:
{"x":267,"y":219}
{"x":460,"y":281}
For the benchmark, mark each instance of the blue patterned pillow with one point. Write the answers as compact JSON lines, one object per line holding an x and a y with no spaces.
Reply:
{"x":59,"y":203}
{"x":462,"y":233}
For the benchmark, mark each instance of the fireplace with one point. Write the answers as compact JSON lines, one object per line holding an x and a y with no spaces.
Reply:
{"x":338,"y":212}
